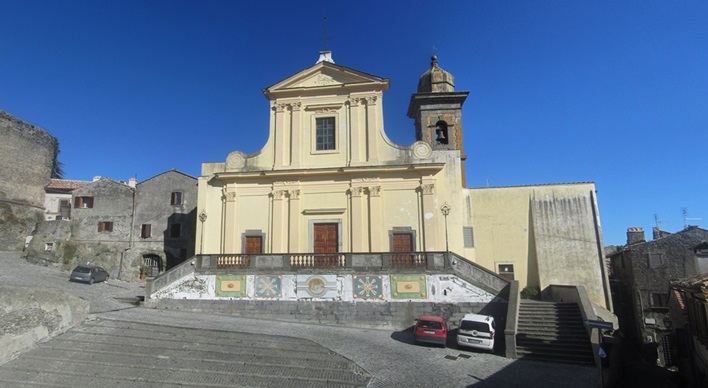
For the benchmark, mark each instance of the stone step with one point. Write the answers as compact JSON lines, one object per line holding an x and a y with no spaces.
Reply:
{"x":586,"y":359}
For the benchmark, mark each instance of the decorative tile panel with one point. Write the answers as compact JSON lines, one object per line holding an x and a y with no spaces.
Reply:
{"x":231,"y":286}
{"x":367,"y":287}
{"x":317,"y":286}
{"x":408,"y":287}
{"x":268,"y":287}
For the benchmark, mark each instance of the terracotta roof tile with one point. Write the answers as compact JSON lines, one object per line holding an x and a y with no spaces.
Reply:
{"x":65,"y":184}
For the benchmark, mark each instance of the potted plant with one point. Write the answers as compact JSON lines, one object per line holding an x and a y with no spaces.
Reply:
{"x":143,"y":271}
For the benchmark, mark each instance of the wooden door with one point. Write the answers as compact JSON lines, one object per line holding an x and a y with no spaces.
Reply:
{"x":326,"y":240}
{"x":254,"y":245}
{"x":403,"y":242}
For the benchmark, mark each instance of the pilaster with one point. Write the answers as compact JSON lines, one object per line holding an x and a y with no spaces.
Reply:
{"x":429,"y":213}
{"x":376,"y":220}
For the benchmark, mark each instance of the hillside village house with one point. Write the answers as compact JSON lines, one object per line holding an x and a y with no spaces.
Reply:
{"x":120,"y":226}
{"x":329,"y":180}
{"x":641,"y":275}
{"x":57,"y":198}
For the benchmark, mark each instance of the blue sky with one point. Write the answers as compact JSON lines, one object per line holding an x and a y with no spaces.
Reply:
{"x":560,"y":91}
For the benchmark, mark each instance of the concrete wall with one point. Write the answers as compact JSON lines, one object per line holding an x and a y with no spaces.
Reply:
{"x":24,"y":175}
{"x":549,"y":233}
{"x":30,"y":315}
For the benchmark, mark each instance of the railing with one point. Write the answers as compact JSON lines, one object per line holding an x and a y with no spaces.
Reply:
{"x":372,"y":262}
{"x":233,"y":261}
{"x":407,"y":259}
{"x":317,"y":260}
{"x":294,"y":261}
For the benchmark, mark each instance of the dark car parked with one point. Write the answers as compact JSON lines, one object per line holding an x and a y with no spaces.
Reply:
{"x":88,"y":274}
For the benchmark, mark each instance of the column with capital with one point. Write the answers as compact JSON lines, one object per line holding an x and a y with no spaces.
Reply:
{"x":229,"y":243}
{"x":296,"y":134}
{"x":429,"y":214}
{"x":357,"y":142}
{"x":376,"y":220}
{"x":279,"y":236}
{"x":360,"y":228}
{"x":294,"y":227}
{"x":372,"y":154}
{"x":279,"y":145}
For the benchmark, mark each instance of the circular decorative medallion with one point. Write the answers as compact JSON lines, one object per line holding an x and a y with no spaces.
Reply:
{"x":316,"y":286}
{"x":235,"y":160}
{"x":422,"y":150}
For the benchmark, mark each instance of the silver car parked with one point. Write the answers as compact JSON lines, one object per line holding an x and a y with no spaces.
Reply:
{"x":89,"y":274}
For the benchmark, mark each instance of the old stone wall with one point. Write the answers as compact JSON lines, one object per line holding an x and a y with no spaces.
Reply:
{"x":154,"y":207}
{"x":385,"y":315}
{"x":26,"y":158}
{"x":30,"y":315}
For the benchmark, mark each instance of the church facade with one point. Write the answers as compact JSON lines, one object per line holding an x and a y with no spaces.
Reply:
{"x":329,"y":180}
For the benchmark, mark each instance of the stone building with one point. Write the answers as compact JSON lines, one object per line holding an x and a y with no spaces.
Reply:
{"x":122,"y":227}
{"x":688,"y":309}
{"x":57,"y":198}
{"x":641,"y":273}
{"x":329,"y":180}
{"x":164,"y":241}
{"x":24,"y":176}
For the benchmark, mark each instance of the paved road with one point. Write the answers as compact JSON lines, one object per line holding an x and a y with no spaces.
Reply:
{"x":126,"y":345}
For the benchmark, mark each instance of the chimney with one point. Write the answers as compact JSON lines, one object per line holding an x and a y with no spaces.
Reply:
{"x":658,"y":233}
{"x":635,"y":235}
{"x":96,"y":178}
{"x":132,"y":182}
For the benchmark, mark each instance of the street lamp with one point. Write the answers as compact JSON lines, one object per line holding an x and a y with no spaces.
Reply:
{"x":445,"y":209}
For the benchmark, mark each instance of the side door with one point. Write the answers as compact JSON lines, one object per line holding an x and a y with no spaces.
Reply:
{"x":402,"y":242}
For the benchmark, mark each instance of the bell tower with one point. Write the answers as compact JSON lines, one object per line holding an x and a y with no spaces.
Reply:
{"x":437,"y":111}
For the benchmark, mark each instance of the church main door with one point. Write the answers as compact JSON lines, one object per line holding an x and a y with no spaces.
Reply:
{"x":326,"y":240}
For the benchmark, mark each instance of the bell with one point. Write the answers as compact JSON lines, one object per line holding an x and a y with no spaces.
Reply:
{"x":441,"y":135}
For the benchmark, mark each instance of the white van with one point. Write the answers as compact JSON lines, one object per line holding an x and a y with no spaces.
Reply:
{"x":476,"y":331}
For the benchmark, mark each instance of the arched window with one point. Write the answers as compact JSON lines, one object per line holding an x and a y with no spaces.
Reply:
{"x":441,"y":135}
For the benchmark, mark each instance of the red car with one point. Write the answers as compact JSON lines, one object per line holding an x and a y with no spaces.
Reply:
{"x":430,"y":329}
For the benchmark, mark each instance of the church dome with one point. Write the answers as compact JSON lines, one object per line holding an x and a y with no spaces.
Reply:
{"x":436,"y":80}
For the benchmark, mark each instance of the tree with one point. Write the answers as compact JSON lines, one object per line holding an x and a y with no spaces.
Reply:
{"x":57,"y":171}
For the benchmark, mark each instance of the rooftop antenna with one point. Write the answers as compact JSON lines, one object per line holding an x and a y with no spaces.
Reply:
{"x":657,"y":221}
{"x":686,"y":218}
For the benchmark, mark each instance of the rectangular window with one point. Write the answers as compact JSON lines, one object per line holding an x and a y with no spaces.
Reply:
{"x":145,"y":231}
{"x":175,"y":230}
{"x":468,"y":234}
{"x":48,"y":247}
{"x":324,"y":128}
{"x":659,"y":300}
{"x":105,"y":226}
{"x":655,"y":260}
{"x":83,"y":202}
{"x":176,"y":199}
{"x":506,"y":271}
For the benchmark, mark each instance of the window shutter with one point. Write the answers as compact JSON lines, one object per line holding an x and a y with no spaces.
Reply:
{"x":468,"y":233}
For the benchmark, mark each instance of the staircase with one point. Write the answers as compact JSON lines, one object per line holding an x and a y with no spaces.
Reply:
{"x":552,"y":332}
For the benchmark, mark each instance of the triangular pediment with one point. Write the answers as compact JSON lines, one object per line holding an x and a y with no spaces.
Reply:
{"x":326,"y":75}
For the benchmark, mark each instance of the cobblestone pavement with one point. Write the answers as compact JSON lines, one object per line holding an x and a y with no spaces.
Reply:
{"x":136,"y":346}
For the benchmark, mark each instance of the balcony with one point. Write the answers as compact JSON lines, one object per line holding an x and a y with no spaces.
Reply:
{"x":294,"y":262}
